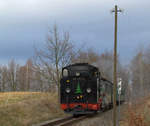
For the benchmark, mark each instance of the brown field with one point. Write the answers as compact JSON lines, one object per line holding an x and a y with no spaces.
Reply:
{"x":27,"y":108}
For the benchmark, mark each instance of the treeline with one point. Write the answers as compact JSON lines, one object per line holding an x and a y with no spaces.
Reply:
{"x":140,"y":73}
{"x":43,"y":71}
{"x":35,"y":76}
{"x":14,"y":77}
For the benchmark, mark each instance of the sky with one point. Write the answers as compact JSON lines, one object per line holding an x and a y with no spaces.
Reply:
{"x":24,"y":24}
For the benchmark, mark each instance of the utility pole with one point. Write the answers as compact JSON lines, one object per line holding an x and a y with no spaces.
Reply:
{"x":115,"y":67}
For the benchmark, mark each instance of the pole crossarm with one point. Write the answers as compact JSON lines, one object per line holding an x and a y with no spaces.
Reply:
{"x":118,"y":10}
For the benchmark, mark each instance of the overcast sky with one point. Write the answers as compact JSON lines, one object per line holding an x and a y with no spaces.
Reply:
{"x":24,"y":24}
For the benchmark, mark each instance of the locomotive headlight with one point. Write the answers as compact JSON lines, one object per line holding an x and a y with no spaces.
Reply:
{"x":88,"y":90}
{"x":68,"y":90}
{"x":77,"y":74}
{"x":65,"y":72}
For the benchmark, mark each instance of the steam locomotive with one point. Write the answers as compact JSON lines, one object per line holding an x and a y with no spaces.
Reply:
{"x":83,"y":90}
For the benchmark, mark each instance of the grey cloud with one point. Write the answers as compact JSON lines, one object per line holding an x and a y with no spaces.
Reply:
{"x":88,"y":22}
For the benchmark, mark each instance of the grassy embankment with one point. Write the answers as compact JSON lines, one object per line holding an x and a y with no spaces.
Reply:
{"x":27,"y":108}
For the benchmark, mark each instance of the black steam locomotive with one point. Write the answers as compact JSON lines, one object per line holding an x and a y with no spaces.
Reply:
{"x":83,"y":90}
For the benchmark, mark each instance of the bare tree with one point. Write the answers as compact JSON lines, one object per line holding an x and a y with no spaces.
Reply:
{"x":0,"y":79}
{"x":22,"y":78}
{"x":87,"y":56}
{"x":140,"y":69}
{"x":4,"y":77}
{"x":57,"y":53}
{"x":12,"y":75}
{"x":105,"y":64}
{"x":29,"y":73}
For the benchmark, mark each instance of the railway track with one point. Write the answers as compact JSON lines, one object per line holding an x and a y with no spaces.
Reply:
{"x":62,"y":121}
{"x":68,"y":121}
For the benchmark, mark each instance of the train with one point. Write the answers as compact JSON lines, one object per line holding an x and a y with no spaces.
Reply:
{"x":83,"y":90}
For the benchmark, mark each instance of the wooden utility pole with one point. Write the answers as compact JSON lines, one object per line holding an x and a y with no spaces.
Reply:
{"x":115,"y":67}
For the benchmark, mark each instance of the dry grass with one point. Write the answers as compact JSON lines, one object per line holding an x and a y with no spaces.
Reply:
{"x":137,"y":114}
{"x":27,"y":108}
